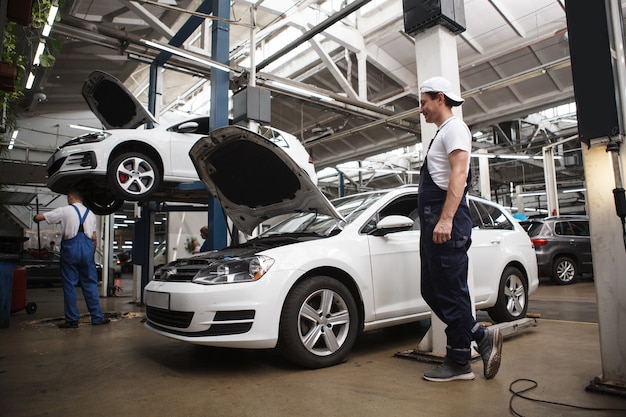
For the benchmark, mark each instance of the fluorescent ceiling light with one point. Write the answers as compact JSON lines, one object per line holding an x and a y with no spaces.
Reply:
{"x":301,"y":91}
{"x":81,"y":127}
{"x":514,"y":156}
{"x":13,"y":137}
{"x":30,"y":81}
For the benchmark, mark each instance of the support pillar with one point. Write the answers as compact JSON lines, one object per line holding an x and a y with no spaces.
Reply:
{"x":549,"y":172}
{"x":219,"y":110}
{"x":483,"y":175}
{"x":609,"y":263}
{"x":436,"y":55}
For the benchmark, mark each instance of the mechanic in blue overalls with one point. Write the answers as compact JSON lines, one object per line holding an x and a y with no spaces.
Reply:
{"x":446,"y":228}
{"x":78,"y":225}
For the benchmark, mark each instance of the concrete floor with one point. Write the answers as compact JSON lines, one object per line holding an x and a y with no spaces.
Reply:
{"x":125,"y":370}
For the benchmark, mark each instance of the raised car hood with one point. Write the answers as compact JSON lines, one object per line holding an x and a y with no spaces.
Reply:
{"x":254,"y":179}
{"x":112,"y":103}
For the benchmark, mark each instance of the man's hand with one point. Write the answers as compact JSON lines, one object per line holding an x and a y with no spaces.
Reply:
{"x":35,"y":218}
{"x":443,"y":231}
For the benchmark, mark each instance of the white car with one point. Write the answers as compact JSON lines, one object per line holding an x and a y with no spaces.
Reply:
{"x":312,"y":282}
{"x":125,"y":163}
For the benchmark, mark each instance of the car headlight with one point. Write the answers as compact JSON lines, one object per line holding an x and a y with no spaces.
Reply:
{"x":87,"y":138}
{"x":234,"y":270}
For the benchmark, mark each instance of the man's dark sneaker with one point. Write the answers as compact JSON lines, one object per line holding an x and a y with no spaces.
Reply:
{"x":450,"y":370}
{"x":104,"y":321}
{"x":68,"y":325}
{"x":490,"y":349}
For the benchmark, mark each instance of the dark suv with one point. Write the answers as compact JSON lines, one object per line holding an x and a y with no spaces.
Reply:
{"x":562,"y":245}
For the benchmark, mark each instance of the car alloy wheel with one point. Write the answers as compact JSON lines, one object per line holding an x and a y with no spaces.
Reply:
{"x":134,"y":176}
{"x":512,"y":301}
{"x":319,"y":323}
{"x":564,"y":271}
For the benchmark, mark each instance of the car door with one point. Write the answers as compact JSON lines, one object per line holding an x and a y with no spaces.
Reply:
{"x":488,"y":251}
{"x":182,"y":136}
{"x":580,"y":241}
{"x":395,"y":263}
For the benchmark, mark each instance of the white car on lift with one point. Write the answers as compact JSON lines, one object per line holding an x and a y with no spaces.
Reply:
{"x":311,"y":283}
{"x":124,"y":163}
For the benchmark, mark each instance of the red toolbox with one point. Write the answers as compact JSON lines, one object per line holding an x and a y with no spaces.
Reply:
{"x":18,"y":292}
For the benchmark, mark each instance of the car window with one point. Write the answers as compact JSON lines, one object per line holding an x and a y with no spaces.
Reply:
{"x":485,"y":216}
{"x":532,"y":228}
{"x":348,"y":207}
{"x":563,"y":228}
{"x":402,"y":206}
{"x":572,"y":228}
{"x":580,"y":228}
{"x":275,"y":137}
{"x":480,"y":217}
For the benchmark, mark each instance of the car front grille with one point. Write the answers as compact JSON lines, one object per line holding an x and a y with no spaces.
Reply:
{"x":54,"y":167}
{"x":180,"y":319}
{"x":82,"y":160}
{"x":235,"y":322}
{"x":75,"y":161}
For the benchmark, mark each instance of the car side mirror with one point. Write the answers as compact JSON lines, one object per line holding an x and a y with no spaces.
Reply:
{"x":187,"y":127}
{"x":392,"y":224}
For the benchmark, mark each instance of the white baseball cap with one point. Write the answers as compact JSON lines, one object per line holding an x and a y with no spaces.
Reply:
{"x":441,"y":85}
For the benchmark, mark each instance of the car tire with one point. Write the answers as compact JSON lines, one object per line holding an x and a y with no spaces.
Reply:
{"x":319,"y":323}
{"x":103,"y":206}
{"x":564,"y":271}
{"x":512,"y":301}
{"x":134,"y":177}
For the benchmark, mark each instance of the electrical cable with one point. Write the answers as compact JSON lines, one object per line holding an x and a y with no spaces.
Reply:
{"x":534,"y":385}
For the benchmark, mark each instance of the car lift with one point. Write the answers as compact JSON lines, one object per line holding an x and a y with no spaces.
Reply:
{"x":432,"y":347}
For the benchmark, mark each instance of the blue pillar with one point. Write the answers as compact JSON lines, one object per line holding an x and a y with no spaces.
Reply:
{"x":7,"y":264}
{"x":218,"y":116}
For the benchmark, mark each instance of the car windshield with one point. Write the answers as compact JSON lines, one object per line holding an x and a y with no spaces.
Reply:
{"x":532,"y":228}
{"x":321,"y":224}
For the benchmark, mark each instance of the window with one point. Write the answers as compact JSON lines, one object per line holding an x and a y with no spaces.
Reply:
{"x":580,"y":228}
{"x":572,"y":228}
{"x":402,"y":206}
{"x":486,"y":216}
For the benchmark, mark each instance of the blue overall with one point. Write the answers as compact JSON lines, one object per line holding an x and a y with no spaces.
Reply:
{"x":78,"y":266}
{"x":444,"y":267}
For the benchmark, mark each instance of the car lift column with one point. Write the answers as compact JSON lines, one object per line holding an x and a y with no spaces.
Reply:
{"x":602,"y":129}
{"x":218,"y":116}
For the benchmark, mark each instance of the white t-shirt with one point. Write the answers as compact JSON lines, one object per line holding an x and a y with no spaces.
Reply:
{"x":453,"y":134}
{"x":69,"y":220}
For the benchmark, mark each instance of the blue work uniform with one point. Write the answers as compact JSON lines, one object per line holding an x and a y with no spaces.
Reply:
{"x":78,"y":266}
{"x":444,"y":267}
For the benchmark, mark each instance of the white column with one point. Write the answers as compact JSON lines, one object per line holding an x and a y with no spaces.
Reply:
{"x":609,"y":262}
{"x":485,"y":179}
{"x":549,"y":173}
{"x":436,"y":55}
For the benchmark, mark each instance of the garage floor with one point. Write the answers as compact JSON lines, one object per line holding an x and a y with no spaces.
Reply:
{"x":125,"y":370}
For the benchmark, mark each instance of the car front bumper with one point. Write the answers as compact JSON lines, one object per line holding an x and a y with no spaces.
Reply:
{"x":242,"y":315}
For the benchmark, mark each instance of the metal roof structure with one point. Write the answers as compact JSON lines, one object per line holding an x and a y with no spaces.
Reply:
{"x":342,"y":77}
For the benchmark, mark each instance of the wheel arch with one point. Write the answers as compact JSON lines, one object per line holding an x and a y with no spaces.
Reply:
{"x":139,"y":147}
{"x":558,"y":255}
{"x":521,"y":268}
{"x":341,"y":276}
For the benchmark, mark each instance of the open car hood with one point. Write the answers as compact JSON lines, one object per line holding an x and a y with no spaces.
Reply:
{"x":112,"y":103}
{"x":254,"y":179}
